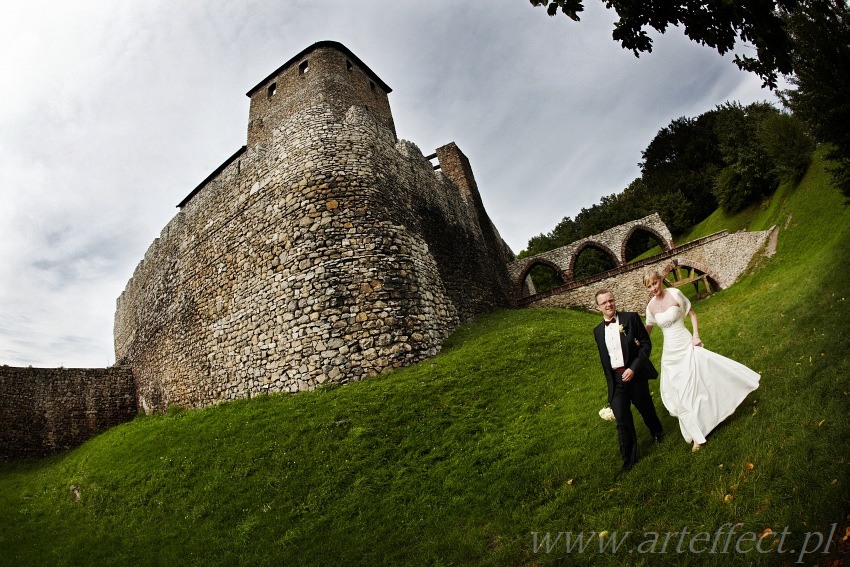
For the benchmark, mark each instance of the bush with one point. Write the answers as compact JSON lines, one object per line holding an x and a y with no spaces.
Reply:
{"x":786,"y":141}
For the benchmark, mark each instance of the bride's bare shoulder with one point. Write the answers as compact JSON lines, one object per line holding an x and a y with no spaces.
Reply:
{"x":653,"y":305}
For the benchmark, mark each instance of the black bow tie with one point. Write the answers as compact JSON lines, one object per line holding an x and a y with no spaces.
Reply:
{"x":611,"y":322}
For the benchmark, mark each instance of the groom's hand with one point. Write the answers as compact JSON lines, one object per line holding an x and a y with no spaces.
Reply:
{"x":628,"y":374}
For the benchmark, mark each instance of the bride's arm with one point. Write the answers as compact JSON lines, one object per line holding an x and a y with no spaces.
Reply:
{"x":685,"y":306}
{"x":650,"y":321}
{"x":695,"y":325}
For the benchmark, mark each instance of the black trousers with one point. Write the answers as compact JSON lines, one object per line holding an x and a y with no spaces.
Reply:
{"x":626,"y":394}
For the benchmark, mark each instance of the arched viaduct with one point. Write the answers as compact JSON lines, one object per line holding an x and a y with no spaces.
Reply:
{"x":715,"y":261}
{"x":611,"y":242}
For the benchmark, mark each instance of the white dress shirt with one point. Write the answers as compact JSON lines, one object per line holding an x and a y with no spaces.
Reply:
{"x":612,"y":341}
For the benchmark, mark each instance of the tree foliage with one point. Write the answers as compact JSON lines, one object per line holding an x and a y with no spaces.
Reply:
{"x":761,"y":147}
{"x":820,"y":31}
{"x":749,"y":171}
{"x":732,"y":155}
{"x":788,"y":144}
{"x":591,"y":261}
{"x":717,"y":24}
{"x":544,"y":278}
{"x":806,"y":40}
{"x":681,"y":163}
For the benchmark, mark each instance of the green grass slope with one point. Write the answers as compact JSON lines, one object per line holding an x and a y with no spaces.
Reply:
{"x":471,"y":458}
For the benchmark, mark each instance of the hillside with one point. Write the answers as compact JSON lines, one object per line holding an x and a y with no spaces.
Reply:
{"x":461,"y":459}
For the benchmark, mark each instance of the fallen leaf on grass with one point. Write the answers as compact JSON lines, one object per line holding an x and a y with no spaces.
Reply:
{"x":765,"y":533}
{"x":727,"y":499}
{"x":821,"y":422}
{"x":750,"y":466}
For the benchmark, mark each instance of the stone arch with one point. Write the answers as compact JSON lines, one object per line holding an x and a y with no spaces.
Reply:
{"x":709,"y":276}
{"x":652,"y":231}
{"x":520,"y":287}
{"x":596,"y":245}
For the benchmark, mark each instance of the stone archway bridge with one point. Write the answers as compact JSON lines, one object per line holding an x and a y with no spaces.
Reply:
{"x":716,"y":261}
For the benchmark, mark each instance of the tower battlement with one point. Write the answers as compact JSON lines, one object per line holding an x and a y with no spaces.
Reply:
{"x":327,"y":72}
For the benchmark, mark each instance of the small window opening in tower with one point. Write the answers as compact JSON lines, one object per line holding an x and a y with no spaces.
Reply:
{"x":348,"y":65}
{"x":272,"y":89}
{"x":304,"y":67}
{"x":372,"y":86}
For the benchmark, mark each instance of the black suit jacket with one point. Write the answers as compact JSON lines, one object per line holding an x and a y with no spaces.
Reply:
{"x":636,"y":354}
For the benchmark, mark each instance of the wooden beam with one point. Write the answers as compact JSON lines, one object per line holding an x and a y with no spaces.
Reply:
{"x":680,"y":283}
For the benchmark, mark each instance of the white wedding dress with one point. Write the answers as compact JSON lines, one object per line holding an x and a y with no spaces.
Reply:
{"x":700,"y":387}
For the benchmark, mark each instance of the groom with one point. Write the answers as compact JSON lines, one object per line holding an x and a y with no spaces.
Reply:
{"x":624,"y":349}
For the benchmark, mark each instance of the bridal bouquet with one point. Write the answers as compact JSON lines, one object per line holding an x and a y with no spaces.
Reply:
{"x":606,"y":413}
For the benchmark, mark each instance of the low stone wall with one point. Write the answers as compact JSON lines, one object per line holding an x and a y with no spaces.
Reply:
{"x":45,"y":410}
{"x":627,"y":287}
{"x":723,"y":257}
{"x":728,"y":257}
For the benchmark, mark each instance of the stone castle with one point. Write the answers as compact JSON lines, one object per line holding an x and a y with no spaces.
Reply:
{"x":323,"y":251}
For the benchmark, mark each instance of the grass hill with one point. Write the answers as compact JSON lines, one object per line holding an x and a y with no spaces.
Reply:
{"x":471,"y":458}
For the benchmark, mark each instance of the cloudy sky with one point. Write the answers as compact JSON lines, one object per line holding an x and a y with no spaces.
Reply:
{"x":111,"y":112}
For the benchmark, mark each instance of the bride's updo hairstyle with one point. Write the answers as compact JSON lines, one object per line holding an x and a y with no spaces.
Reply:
{"x":650,"y":275}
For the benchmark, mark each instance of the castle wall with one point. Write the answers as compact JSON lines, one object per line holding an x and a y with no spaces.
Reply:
{"x":327,"y":252}
{"x":44,"y":410}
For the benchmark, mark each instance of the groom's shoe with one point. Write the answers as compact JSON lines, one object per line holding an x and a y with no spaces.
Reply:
{"x":627,"y":467}
{"x":658,"y":438}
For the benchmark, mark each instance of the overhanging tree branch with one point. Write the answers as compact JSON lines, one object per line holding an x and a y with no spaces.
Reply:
{"x":719,"y":24}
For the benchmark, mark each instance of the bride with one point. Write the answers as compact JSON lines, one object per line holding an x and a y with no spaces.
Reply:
{"x":699,"y":387}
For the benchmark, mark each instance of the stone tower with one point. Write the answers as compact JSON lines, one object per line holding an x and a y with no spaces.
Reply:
{"x":324,"y":250}
{"x":326,"y":72}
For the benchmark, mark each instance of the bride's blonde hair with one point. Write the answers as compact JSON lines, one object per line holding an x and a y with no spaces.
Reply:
{"x":650,"y":275}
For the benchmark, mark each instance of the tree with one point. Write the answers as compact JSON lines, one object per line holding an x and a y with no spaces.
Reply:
{"x":682,"y":160}
{"x":717,"y":24}
{"x":784,"y":138}
{"x":750,"y":171}
{"x":806,"y":40}
{"x":820,"y":31}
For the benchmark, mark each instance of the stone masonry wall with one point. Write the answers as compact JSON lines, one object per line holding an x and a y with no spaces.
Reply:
{"x":47,"y":410}
{"x":326,"y":72}
{"x":612,"y":242}
{"x":327,"y":252}
{"x":724,"y":259}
